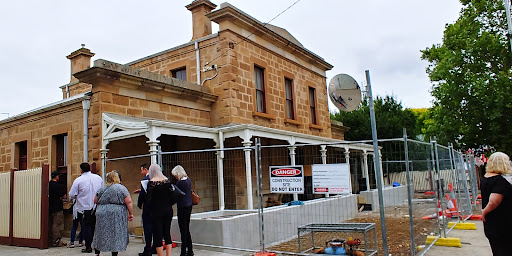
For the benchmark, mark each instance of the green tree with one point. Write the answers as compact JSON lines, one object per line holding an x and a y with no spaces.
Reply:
{"x":390,"y":116}
{"x":471,"y":78}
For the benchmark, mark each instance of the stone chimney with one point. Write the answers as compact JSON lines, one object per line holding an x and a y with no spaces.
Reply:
{"x":80,"y":60}
{"x":201,"y":24}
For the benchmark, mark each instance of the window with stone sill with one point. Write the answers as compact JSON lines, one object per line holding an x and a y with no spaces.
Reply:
{"x":21,"y":155}
{"x":180,"y":73}
{"x":288,"y":83}
{"x":259,"y":81}
{"x":312,"y":105}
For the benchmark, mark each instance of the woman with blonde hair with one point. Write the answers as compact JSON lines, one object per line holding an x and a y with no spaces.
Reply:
{"x":184,"y":209}
{"x":497,"y":204}
{"x":113,"y":211}
{"x":159,"y":196}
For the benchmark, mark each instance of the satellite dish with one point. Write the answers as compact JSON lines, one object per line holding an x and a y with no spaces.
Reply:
{"x":344,"y":92}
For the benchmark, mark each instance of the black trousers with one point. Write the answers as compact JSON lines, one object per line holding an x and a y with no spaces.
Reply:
{"x":184,"y":224}
{"x":148,"y":232}
{"x":88,"y":223}
{"x":501,"y":246}
{"x":161,"y":229}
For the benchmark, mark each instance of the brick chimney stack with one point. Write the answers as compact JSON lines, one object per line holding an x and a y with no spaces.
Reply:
{"x":80,"y":60}
{"x":202,"y":26}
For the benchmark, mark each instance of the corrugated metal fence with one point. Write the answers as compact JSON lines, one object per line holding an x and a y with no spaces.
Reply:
{"x":24,"y":207}
{"x":5,"y":195}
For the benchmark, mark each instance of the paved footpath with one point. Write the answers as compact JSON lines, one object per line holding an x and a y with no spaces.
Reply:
{"x":134,"y":247}
{"x":473,"y":242}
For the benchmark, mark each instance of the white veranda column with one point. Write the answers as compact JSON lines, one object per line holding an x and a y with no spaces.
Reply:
{"x":365,"y":167}
{"x":220,"y":179}
{"x":382,"y":170}
{"x":248,"y":173}
{"x":347,"y":160}
{"x":103,"y":162}
{"x":220,"y":173}
{"x":153,"y":150}
{"x":323,"y":154}
{"x":292,"y":162}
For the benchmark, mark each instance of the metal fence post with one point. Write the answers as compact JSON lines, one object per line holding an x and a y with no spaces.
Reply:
{"x":440,"y":188}
{"x":432,"y":156}
{"x":456,"y":174}
{"x":409,"y":191}
{"x":378,"y":171}
{"x":466,"y":187}
{"x":474,"y":186}
{"x":260,"y":194}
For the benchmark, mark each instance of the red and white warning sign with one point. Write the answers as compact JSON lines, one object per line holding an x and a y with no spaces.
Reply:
{"x":287,"y":179}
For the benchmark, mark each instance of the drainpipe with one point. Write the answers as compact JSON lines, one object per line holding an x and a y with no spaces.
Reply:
{"x":198,"y":58}
{"x":86,"y":104}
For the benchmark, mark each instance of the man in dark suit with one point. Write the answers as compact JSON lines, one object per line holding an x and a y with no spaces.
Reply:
{"x":146,"y":214}
{"x":56,"y":193}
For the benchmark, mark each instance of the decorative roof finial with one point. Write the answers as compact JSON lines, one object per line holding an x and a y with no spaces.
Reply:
{"x":83,"y":45}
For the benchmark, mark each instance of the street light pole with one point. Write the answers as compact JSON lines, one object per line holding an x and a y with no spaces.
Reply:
{"x":506,"y":3}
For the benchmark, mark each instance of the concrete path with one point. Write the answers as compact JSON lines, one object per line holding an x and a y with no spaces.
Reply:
{"x":134,"y":247}
{"x":473,"y":242}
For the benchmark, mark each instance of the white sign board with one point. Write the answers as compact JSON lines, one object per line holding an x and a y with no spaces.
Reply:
{"x":287,"y":179}
{"x":331,"y":179}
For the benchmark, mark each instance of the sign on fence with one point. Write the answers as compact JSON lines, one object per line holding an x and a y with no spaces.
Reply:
{"x":287,"y":179}
{"x":331,"y":179}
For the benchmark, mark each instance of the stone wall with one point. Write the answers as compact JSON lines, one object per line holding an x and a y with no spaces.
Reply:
{"x":38,"y":130}
{"x":235,"y":88}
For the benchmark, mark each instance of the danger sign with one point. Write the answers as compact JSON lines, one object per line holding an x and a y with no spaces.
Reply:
{"x":287,"y":179}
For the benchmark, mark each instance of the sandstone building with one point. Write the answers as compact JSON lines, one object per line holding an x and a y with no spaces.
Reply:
{"x":220,"y":90}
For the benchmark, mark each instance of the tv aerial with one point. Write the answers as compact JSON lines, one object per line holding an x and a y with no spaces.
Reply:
{"x":344,"y":92}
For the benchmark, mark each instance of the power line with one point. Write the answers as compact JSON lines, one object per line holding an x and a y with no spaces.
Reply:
{"x":245,"y":38}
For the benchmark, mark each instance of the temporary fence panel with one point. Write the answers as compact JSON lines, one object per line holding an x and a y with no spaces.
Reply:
{"x":5,"y":199}
{"x":410,"y":215}
{"x":281,"y":223}
{"x":471,"y":168}
{"x":464,"y":201}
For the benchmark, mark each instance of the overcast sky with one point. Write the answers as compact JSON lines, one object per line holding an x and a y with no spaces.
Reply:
{"x":384,"y":37}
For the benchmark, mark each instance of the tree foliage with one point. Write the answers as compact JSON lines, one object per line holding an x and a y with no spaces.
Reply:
{"x":472,"y":79}
{"x":390,"y":117}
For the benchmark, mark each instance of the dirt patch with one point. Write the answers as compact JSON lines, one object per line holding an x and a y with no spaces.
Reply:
{"x":397,"y":231}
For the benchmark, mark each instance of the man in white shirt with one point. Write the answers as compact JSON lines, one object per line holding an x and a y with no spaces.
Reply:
{"x":84,"y":190}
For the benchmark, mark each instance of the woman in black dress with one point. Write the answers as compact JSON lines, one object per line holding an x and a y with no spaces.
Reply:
{"x":160,"y":193}
{"x":184,"y":209}
{"x":497,"y":204}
